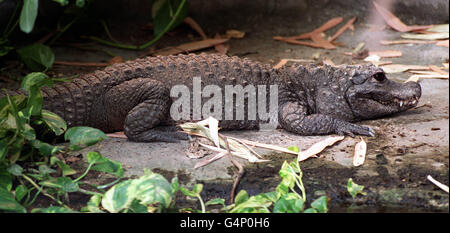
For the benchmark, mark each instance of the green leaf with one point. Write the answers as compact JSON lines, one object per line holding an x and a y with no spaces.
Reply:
{"x":37,"y":56}
{"x":137,"y":207}
{"x":104,"y":164}
{"x":216,"y":201}
{"x":271,"y":196}
{"x":35,"y":79}
{"x":54,"y":122}
{"x":66,"y":170}
{"x":80,"y":3}
{"x":62,"y":2}
{"x":294,"y":149}
{"x":354,"y":189}
{"x":241,"y":197}
{"x":320,"y":204}
{"x":289,"y":176}
{"x":255,"y":204}
{"x":32,"y":83}
{"x":65,"y":184}
{"x":81,"y":137}
{"x":20,"y":192}
{"x":5,"y":180}
{"x":175,"y":185}
{"x":197,"y":188}
{"x":53,"y":209}
{"x":3,"y":149}
{"x":119,"y":197}
{"x":93,"y":204}
{"x":153,"y":188}
{"x":8,"y":203}
{"x":45,"y":148}
{"x":18,"y":101}
{"x":28,"y":15}
{"x":15,"y":169}
{"x":165,"y":14}
{"x":45,"y":170}
{"x":195,"y":191}
{"x":310,"y":211}
{"x":289,"y":203}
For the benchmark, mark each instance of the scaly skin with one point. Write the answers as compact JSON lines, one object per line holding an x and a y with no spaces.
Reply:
{"x":135,"y":96}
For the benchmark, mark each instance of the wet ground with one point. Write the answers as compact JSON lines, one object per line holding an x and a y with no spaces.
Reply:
{"x":407,"y":147}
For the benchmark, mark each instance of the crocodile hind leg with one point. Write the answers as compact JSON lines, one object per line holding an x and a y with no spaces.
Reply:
{"x":293,"y":117}
{"x":140,"y":107}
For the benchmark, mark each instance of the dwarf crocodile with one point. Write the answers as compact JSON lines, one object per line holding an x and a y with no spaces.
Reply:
{"x":312,"y":100}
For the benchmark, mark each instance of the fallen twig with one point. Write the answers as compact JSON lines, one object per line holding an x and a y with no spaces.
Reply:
{"x":239,"y":167}
{"x":392,"y":42}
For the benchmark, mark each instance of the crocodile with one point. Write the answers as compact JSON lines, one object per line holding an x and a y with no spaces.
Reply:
{"x":135,"y":97}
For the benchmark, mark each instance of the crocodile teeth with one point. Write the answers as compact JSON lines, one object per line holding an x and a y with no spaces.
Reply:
{"x":401,"y":103}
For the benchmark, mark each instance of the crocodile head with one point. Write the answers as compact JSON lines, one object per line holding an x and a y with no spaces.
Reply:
{"x":370,"y":94}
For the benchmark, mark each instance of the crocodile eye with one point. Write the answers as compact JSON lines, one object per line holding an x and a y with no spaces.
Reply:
{"x":380,"y":77}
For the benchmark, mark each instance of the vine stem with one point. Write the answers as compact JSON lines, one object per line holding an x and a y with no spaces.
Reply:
{"x":146,"y":45}
{"x":85,"y":173}
{"x":43,"y":191}
{"x":201,"y":203}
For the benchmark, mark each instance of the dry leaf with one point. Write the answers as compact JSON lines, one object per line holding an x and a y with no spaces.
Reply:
{"x":360,"y":153}
{"x":423,"y":72}
{"x":398,"y":68}
{"x":307,"y":43}
{"x":386,"y":53}
{"x":222,"y":48}
{"x":281,"y":63}
{"x":443,"y":43}
{"x":395,"y":22}
{"x":381,"y":63}
{"x":430,"y":36}
{"x":391,"y":42}
{"x":329,"y":62}
{"x":415,"y":78}
{"x":318,"y":147}
{"x":190,"y":47}
{"x":437,"y":70}
{"x":439,"y":28}
{"x":194,"y":25}
{"x":235,"y":34}
{"x":318,"y":39}
{"x":116,"y":59}
{"x":120,"y":134}
{"x":317,"y":36}
{"x":372,"y":58}
{"x":285,"y":61}
{"x":341,"y":30}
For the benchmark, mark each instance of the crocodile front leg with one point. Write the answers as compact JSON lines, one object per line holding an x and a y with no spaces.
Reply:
{"x":293,"y":117}
{"x":139,"y":107}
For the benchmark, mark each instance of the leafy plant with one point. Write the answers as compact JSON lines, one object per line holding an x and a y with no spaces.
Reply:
{"x":20,"y":143}
{"x":36,"y":56}
{"x":354,"y":189}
